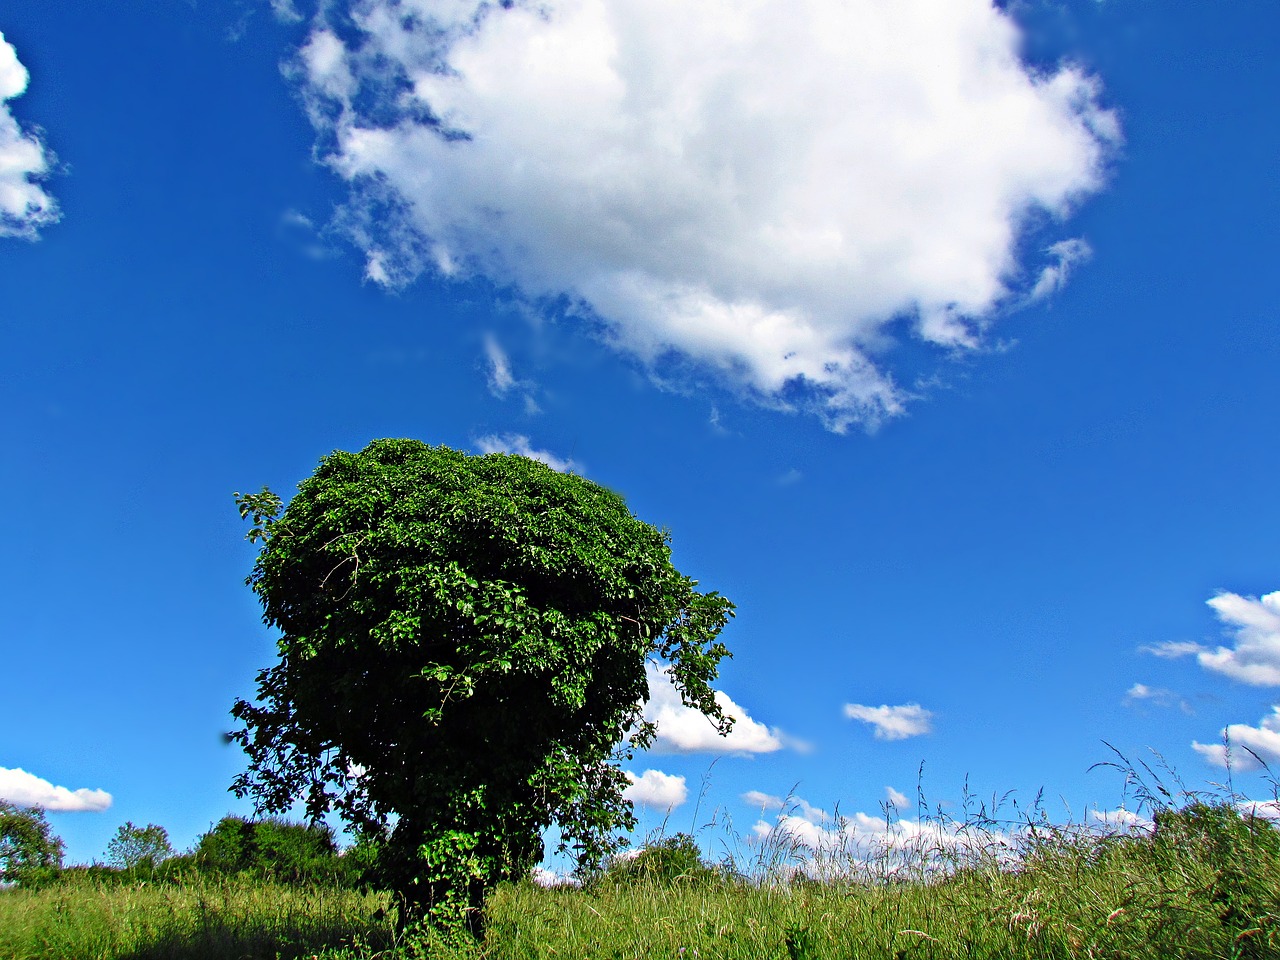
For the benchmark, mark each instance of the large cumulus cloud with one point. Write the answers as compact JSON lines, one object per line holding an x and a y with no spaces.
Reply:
{"x":770,"y":190}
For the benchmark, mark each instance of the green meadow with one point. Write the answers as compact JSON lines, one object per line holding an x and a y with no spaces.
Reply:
{"x":1204,"y":882}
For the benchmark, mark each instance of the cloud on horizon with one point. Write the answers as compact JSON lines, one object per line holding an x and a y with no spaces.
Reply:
{"x":823,"y":845}
{"x":27,"y":790}
{"x":24,"y":159}
{"x":893,"y":723}
{"x":774,"y":192}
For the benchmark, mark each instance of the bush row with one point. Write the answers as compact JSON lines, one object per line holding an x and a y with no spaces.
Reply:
{"x":271,"y":849}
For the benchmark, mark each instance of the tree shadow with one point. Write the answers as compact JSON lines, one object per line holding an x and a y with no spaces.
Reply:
{"x":284,"y":941}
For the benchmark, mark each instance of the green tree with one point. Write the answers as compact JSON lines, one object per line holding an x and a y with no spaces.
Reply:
{"x":462,"y":661}
{"x":139,"y":849}
{"x":30,"y":853}
{"x":272,"y":848}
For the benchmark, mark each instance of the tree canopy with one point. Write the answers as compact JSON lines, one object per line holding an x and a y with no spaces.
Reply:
{"x":462,"y":660}
{"x":139,"y":849}
{"x":30,"y":853}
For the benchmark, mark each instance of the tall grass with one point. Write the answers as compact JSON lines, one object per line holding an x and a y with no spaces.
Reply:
{"x":198,"y":919}
{"x":1197,"y":876}
{"x":1203,"y":883}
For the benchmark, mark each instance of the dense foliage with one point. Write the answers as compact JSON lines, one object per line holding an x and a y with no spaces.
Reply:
{"x":462,"y":660}
{"x":274,"y":850}
{"x":30,"y":853}
{"x":673,"y":859}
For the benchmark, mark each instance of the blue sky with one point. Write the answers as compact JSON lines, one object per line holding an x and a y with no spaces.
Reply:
{"x":942,"y":337}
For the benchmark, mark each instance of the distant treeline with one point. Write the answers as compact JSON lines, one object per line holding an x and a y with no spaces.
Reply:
{"x":274,"y":850}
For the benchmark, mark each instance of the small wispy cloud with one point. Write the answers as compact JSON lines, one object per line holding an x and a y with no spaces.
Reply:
{"x":285,"y":11}
{"x":1156,"y":696}
{"x":896,"y":798}
{"x":1172,"y":649}
{"x":1065,"y":256}
{"x":27,"y":790}
{"x":793,"y":805}
{"x":657,"y":790}
{"x":501,"y":379}
{"x":300,"y":231}
{"x":24,"y":159}
{"x":892,"y":723}
{"x":762,"y":801}
{"x":519,"y":444}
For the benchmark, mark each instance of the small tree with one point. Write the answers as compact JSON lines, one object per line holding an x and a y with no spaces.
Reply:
{"x":30,"y":853}
{"x":462,"y":661}
{"x":139,"y":849}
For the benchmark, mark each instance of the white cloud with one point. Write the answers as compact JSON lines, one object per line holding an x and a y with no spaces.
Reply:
{"x":893,"y":723}
{"x":1139,"y":691}
{"x":1066,"y":255}
{"x":1255,"y":624}
{"x":898,"y":799}
{"x":27,"y":790}
{"x":1240,"y":742}
{"x":821,"y":845}
{"x":501,"y":379}
{"x":285,"y":11}
{"x":790,"y":805}
{"x":1268,"y":809}
{"x":763,"y":189}
{"x":762,"y":801}
{"x":683,"y":729}
{"x":518,"y":443}
{"x":814,"y":843}
{"x":549,"y":878}
{"x":1172,"y":649}
{"x":1122,"y":819}
{"x":653,"y":788}
{"x":1157,"y":696}
{"x":24,"y":160}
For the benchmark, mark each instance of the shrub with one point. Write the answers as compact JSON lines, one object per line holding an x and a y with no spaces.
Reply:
{"x":669,"y":860}
{"x":273,"y":849}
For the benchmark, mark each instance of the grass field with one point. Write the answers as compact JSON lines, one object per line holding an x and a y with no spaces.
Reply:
{"x":1204,"y":883}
